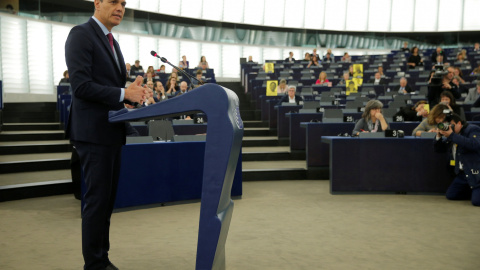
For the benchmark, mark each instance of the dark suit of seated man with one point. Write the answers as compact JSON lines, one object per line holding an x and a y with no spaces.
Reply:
{"x":403,"y":88}
{"x":291,"y":97}
{"x":98,"y":76}
{"x":378,"y":80}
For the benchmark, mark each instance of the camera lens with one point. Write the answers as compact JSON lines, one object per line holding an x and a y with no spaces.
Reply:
{"x":443,"y":126}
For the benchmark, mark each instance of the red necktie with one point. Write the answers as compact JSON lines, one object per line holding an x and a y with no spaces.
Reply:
{"x":110,"y":40}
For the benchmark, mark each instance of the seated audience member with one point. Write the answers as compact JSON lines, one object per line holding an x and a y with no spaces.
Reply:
{"x":372,"y":119}
{"x":439,"y":62}
{"x":429,"y":79}
{"x":307,"y":57}
{"x":328,"y":58}
{"x":414,"y":113}
{"x":149,"y":84}
{"x":322,"y":78}
{"x":405,"y":47}
{"x":462,"y":143}
{"x":415,"y":60}
{"x":448,"y":84}
{"x":473,"y":93}
{"x":198,"y":76}
{"x":282,"y":87}
{"x":183,"y":89}
{"x":203,"y":64}
{"x":150,"y":69}
{"x":346,"y":58}
{"x":149,"y":100}
{"x":457,"y":72}
{"x":436,"y":116}
{"x":160,"y":91}
{"x":403,"y":88}
{"x":380,"y":70}
{"x":149,"y":76}
{"x":378,"y":80}
{"x":162,"y":69}
{"x":172,"y":85}
{"x":313,"y":62}
{"x":128,"y":67}
{"x":291,"y":97}
{"x":290,"y":58}
{"x":65,"y":79}
{"x":250,"y":59}
{"x":350,"y":70}
{"x":330,"y":52}
{"x":476,"y":71}
{"x":343,"y":81}
{"x":476,"y":47}
{"x":315,"y":54}
{"x":137,"y":68}
{"x":437,"y":52}
{"x":184,"y":63}
{"x":447,"y":98}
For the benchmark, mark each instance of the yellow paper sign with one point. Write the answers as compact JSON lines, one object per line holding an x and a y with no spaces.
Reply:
{"x":269,"y":67}
{"x":272,"y":88}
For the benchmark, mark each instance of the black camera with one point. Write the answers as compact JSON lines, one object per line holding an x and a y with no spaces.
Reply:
{"x":446,"y":123}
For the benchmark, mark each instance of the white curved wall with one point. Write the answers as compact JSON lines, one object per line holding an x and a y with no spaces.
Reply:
{"x":32,"y":54}
{"x":340,"y":15}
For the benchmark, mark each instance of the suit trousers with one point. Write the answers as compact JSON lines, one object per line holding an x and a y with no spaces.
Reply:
{"x":101,"y":170}
{"x":459,"y":189}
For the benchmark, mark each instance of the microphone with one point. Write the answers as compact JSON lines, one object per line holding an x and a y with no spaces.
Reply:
{"x":189,"y":77}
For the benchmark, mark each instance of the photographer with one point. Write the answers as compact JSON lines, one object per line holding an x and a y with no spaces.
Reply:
{"x":440,"y":82}
{"x":462,"y":142}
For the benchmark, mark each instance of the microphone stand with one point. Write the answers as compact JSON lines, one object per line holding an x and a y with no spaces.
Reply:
{"x":189,"y":77}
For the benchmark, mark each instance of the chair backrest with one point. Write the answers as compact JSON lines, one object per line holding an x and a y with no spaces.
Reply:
{"x":311,"y":105}
{"x":353,"y":104}
{"x":332,"y":116}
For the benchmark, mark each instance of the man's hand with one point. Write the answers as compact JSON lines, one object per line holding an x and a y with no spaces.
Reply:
{"x":135,"y":92}
{"x":446,"y":133}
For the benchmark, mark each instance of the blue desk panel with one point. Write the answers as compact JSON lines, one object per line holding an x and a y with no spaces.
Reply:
{"x":164,"y":172}
{"x":318,"y":152}
{"x":386,"y":165}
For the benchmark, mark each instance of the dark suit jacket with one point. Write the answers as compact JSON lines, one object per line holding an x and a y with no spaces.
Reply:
{"x":288,"y":59}
{"x":285,"y":99}
{"x":96,"y":81}
{"x":382,"y":81}
{"x":407,"y":87}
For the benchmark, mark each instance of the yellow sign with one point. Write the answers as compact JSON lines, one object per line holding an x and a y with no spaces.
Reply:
{"x":269,"y":67}
{"x":358,"y":70}
{"x":272,"y":88}
{"x":426,"y":107}
{"x":351,"y":87}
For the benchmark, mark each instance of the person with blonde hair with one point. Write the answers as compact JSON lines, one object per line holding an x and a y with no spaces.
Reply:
{"x":322,"y":78}
{"x":436,"y":116}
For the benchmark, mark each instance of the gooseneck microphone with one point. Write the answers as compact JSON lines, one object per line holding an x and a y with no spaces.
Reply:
{"x":189,"y":77}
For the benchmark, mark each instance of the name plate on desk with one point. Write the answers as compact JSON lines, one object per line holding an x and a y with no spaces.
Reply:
{"x":398,"y":118}
{"x":372,"y":135}
{"x":389,"y":133}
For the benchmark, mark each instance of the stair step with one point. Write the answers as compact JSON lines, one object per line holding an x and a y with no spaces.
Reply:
{"x":32,"y":135}
{"x":34,"y":162}
{"x":250,"y":124}
{"x":274,"y":170}
{"x":252,"y":141}
{"x":30,"y":126}
{"x":21,"y":178}
{"x":258,"y":131}
{"x":34,"y":190}
{"x":275,"y":153}
{"x":32,"y":147}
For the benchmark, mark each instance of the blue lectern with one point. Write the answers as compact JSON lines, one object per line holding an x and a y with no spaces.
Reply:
{"x":222,"y":148}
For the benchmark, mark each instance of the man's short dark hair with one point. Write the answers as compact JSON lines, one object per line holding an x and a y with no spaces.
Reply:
{"x":456,"y":118}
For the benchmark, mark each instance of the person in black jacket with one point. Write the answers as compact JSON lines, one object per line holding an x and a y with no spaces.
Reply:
{"x":413,"y":113}
{"x":462,"y":142}
{"x":291,"y":97}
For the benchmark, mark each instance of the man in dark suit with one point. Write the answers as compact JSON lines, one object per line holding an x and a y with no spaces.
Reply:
{"x":137,"y":67}
{"x":98,"y":75}
{"x":290,"y":58}
{"x":378,"y":80}
{"x":403,"y":88}
{"x":291,"y":97}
